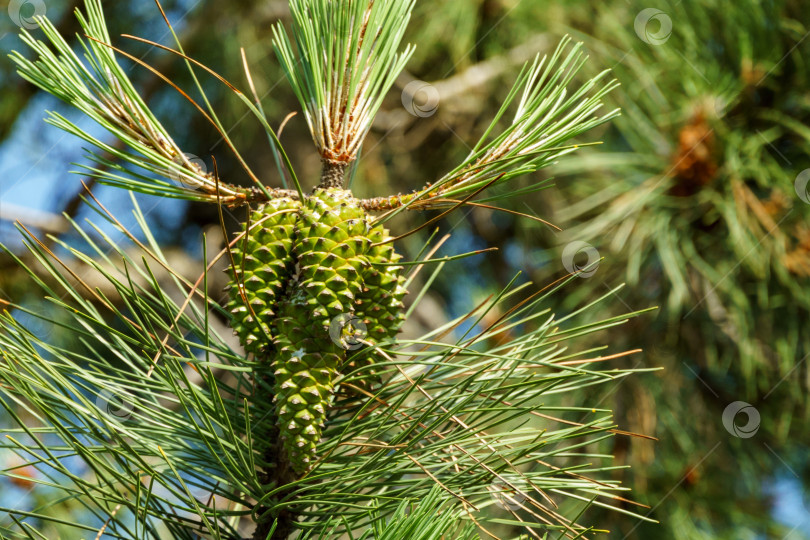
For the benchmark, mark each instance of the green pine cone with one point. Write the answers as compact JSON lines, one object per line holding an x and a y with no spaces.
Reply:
{"x":379,"y":304}
{"x":330,"y":246}
{"x":264,"y":266}
{"x":308,"y":269}
{"x":306,"y":367}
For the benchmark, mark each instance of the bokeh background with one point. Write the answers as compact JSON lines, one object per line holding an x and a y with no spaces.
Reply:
{"x":697,"y":199}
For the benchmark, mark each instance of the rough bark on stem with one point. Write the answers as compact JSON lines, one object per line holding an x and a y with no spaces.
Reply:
{"x":333,"y":174}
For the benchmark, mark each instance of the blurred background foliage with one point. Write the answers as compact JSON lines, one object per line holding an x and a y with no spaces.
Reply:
{"x":691,"y":199}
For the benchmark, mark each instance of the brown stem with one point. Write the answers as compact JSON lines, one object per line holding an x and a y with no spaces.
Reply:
{"x":333,"y":174}
{"x":278,"y":472}
{"x":284,"y":519}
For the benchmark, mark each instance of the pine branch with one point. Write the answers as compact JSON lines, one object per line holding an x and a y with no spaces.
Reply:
{"x":547,"y":115}
{"x":194,"y":455}
{"x":100,"y":88}
{"x":700,"y":189}
{"x":439,"y":419}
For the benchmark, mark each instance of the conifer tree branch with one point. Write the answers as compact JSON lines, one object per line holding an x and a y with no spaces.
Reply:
{"x":548,"y":114}
{"x":467,"y":387}
{"x":101,"y":89}
{"x":438,"y":418}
